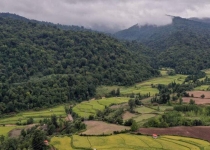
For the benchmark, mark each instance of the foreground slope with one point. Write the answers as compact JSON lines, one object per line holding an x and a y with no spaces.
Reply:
{"x":43,"y":65}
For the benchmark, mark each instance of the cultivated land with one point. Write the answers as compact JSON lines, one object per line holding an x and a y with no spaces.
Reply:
{"x":127,"y":115}
{"x":130,"y":142}
{"x":200,"y":132}
{"x":198,"y":94}
{"x":143,"y":87}
{"x":61,"y":143}
{"x":36,"y":115}
{"x":87,"y":108}
{"x":202,"y":88}
{"x":197,"y":100}
{"x":4,"y":130}
{"x":100,"y":127}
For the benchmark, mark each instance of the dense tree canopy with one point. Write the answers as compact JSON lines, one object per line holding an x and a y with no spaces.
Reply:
{"x":182,"y":45}
{"x":42,"y":65}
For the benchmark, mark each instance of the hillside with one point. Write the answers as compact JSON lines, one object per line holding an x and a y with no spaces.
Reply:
{"x":60,"y":26}
{"x":42,"y":65}
{"x":182,"y":45}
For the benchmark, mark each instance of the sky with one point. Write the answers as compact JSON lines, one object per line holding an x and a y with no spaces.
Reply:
{"x":107,"y":15}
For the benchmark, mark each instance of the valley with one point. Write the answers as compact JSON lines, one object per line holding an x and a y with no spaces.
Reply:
{"x":68,"y":87}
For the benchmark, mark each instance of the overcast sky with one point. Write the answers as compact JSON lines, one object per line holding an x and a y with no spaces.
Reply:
{"x":106,"y":14}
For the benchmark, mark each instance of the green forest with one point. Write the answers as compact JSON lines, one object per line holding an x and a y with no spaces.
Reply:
{"x":182,"y":45}
{"x":42,"y":65}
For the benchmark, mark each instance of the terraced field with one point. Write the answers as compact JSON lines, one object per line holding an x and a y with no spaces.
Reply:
{"x":143,"y":87}
{"x":36,"y":115}
{"x":131,"y":142}
{"x":87,"y":108}
{"x":5,"y":130}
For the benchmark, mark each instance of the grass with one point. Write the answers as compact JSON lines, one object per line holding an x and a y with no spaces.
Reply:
{"x":143,"y":117}
{"x":162,"y":108}
{"x":61,"y":143}
{"x":143,"y":109}
{"x":201,"y":88}
{"x":5,"y":130}
{"x":143,"y":87}
{"x":36,"y":115}
{"x":87,"y":108}
{"x":129,"y":142}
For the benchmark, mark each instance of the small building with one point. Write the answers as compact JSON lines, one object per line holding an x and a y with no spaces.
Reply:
{"x":154,"y":136}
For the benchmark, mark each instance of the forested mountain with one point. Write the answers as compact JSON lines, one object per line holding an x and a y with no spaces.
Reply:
{"x":42,"y":65}
{"x":60,"y":26}
{"x":205,"y":20}
{"x":183,"y":45}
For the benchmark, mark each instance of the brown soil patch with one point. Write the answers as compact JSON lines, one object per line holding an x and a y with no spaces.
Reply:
{"x":198,"y":94}
{"x":197,"y":100}
{"x":100,"y":127}
{"x":69,"y":118}
{"x":17,"y":132}
{"x":127,"y":115}
{"x":201,"y":132}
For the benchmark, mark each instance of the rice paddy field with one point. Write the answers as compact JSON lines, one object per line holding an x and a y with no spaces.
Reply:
{"x":202,"y":88}
{"x":4,"y":130}
{"x":36,"y":115}
{"x":143,"y":110}
{"x":143,"y":87}
{"x":129,"y":142}
{"x":87,"y":108}
{"x":143,"y":117}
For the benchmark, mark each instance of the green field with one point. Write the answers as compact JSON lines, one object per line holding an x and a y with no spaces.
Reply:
{"x":202,"y":88}
{"x":143,"y":87}
{"x":207,"y":71}
{"x":36,"y":115}
{"x":143,"y":109}
{"x":61,"y":143}
{"x":143,"y":117}
{"x":5,"y":130}
{"x":162,"y":108}
{"x":129,"y":142}
{"x":87,"y":108}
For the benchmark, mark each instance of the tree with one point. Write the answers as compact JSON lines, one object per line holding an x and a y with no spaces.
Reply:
{"x":134,"y":126}
{"x":192,"y":102}
{"x":131,"y":104}
{"x":202,"y":96}
{"x":38,"y":140}
{"x":54,"y":120}
{"x":23,"y":132}
{"x":51,"y":129}
{"x":180,"y":101}
{"x":2,"y":138}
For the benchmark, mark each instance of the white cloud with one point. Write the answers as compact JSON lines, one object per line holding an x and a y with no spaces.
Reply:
{"x":106,"y":14}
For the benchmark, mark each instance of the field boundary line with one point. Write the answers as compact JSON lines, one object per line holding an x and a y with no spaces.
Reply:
{"x":174,"y":141}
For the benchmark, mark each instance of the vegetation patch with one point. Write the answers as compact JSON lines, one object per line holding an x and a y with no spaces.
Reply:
{"x":6,"y":129}
{"x":61,"y":143}
{"x":21,"y":118}
{"x":143,"y":117}
{"x":87,"y":108}
{"x":99,"y":128}
{"x":127,"y":115}
{"x":143,"y":110}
